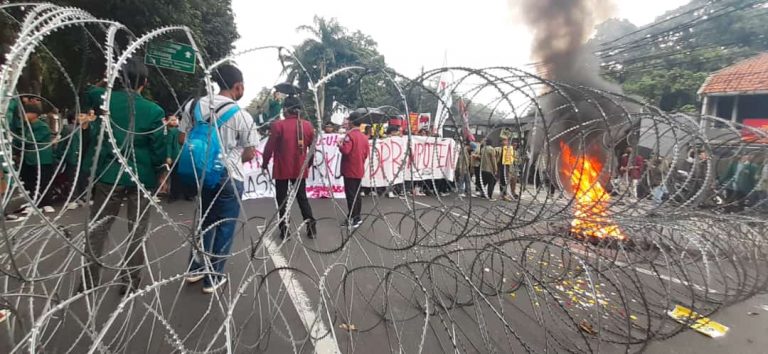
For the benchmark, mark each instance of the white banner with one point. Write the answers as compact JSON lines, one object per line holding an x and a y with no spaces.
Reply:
{"x":429,"y":158}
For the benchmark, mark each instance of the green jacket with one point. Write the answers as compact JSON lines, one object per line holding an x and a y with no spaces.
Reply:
{"x":37,"y":143}
{"x":140,"y":140}
{"x":745,"y":181}
{"x":66,"y":150}
{"x":91,"y":100}
{"x":172,"y":146}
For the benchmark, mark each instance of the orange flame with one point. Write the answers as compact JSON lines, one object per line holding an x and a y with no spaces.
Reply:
{"x":590,"y":215}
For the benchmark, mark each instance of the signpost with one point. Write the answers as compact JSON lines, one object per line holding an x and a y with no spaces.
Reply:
{"x":171,"y":55}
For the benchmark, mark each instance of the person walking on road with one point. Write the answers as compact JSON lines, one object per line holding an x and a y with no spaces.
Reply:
{"x":507,"y":170}
{"x":488,"y":168}
{"x":354,"y":151}
{"x":137,"y":126}
{"x":220,"y":202}
{"x":288,"y":142}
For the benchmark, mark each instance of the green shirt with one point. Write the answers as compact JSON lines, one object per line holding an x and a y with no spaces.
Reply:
{"x":68,"y":147}
{"x":273,"y":110}
{"x":37,"y":143}
{"x":140,"y":140}
{"x":172,"y":146}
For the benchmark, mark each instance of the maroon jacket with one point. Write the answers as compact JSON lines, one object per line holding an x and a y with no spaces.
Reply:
{"x":635,"y":169}
{"x":283,"y":143}
{"x":354,"y":151}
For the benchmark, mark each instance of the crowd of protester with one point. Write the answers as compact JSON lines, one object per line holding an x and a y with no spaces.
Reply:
{"x":736,"y":182}
{"x":75,"y":161}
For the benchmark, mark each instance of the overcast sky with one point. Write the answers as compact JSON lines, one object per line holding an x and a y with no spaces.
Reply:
{"x":411,"y":34}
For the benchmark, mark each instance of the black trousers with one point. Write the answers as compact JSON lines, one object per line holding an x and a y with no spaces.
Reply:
{"x":180,"y":189}
{"x":137,"y":219}
{"x":490,"y":181}
{"x":281,"y":194}
{"x":478,"y":185}
{"x":503,"y":179}
{"x":354,"y":204}
{"x":28,"y":175}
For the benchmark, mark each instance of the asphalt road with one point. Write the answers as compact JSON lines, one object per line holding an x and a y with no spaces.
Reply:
{"x":361,"y":292}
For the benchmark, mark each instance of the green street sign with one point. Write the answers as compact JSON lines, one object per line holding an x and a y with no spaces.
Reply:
{"x":171,"y":55}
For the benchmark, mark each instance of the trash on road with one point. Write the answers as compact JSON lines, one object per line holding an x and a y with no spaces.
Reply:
{"x":587,"y":327}
{"x":699,"y":323}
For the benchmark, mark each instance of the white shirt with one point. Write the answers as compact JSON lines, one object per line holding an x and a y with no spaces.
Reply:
{"x":237,"y":133}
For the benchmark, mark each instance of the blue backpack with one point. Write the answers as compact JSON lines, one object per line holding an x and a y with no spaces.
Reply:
{"x":201,"y":158}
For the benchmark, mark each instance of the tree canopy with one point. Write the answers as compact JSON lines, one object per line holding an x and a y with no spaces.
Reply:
{"x":212,"y":23}
{"x":667,"y":61}
{"x":331,"y":47}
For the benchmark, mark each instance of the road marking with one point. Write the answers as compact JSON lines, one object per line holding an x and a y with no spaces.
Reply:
{"x":432,"y":206}
{"x":651,"y":273}
{"x":322,"y":339}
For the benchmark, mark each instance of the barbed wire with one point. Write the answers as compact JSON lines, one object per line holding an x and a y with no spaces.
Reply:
{"x":580,"y":262}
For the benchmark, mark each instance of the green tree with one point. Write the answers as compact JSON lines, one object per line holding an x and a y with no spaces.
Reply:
{"x":667,"y":61}
{"x":257,"y":106}
{"x":212,"y":23}
{"x":332,"y":47}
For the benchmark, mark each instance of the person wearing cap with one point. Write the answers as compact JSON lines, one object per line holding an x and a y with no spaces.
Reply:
{"x":354,"y":151}
{"x":288,"y":142}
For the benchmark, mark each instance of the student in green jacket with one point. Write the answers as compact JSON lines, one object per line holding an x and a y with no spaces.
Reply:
{"x":740,"y":181}
{"x":92,"y":102}
{"x":137,"y":124}
{"x":70,"y":148}
{"x":37,"y":157}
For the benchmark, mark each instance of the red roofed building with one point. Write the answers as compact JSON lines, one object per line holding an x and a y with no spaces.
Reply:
{"x":738,"y":93}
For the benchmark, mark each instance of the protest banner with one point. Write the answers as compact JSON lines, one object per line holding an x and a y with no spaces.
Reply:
{"x":324,"y":179}
{"x":390,"y":162}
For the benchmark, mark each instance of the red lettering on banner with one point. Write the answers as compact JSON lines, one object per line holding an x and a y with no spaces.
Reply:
{"x":415,"y":154}
{"x":328,"y":140}
{"x":396,"y":156}
{"x":449,"y":157}
{"x":426,"y":155}
{"x":441,"y":163}
{"x":385,"y":151}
